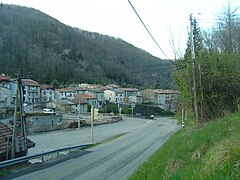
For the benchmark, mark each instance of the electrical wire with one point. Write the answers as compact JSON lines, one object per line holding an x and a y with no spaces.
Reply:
{"x":150,"y":32}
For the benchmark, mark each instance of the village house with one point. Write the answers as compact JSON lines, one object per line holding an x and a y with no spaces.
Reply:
{"x":131,"y":95}
{"x":6,"y":94}
{"x":31,"y":91}
{"x":47,"y":93}
{"x":65,"y":93}
{"x":99,"y":94}
{"x":114,"y":96}
{"x":91,"y":100}
{"x":68,"y":106}
{"x":166,"y":99}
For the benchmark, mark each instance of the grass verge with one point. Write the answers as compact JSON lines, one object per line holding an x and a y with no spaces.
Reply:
{"x":209,"y":152}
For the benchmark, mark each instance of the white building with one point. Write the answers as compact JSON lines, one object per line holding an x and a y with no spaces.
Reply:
{"x":47,"y":93}
{"x":31,"y":91}
{"x":65,"y":93}
{"x":114,"y":95}
{"x":166,"y":99}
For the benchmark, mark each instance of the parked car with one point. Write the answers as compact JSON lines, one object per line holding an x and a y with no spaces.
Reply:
{"x":48,"y":111}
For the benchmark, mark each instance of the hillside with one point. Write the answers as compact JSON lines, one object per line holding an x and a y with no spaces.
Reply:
{"x":42,"y":48}
{"x":209,"y":152}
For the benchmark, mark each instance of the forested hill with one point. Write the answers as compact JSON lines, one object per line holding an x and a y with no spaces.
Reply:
{"x":42,"y":48}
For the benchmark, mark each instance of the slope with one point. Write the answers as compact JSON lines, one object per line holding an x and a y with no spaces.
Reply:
{"x":42,"y":48}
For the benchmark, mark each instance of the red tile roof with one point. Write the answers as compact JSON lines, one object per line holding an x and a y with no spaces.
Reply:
{"x":6,"y":140}
{"x":84,"y":96}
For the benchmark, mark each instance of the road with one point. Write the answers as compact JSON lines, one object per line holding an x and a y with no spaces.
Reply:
{"x":116,"y":159}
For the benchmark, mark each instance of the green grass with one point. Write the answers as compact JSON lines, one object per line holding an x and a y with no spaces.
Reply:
{"x":209,"y":152}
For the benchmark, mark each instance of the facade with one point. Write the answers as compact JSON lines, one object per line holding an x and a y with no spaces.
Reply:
{"x":135,"y":99}
{"x":5,"y":97}
{"x":131,"y":95}
{"x":166,"y":99}
{"x":68,"y":106}
{"x":114,"y":95}
{"x":65,"y":93}
{"x":91,"y":100}
{"x":47,"y":93}
{"x":31,"y":91}
{"x":99,"y":95}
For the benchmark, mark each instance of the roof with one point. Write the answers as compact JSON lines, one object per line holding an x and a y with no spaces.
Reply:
{"x":6,"y":139}
{"x":66,"y":90}
{"x":64,"y":102}
{"x":46,"y":87}
{"x":30,"y":82}
{"x":84,"y":96}
{"x":168,"y":91}
{"x":4,"y":78}
{"x":130,"y":89}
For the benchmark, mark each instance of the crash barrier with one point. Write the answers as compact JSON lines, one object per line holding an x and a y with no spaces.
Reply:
{"x":26,"y":158}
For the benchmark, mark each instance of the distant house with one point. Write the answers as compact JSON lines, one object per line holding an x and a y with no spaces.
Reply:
{"x":147,"y":96}
{"x":31,"y":91}
{"x":47,"y":93}
{"x":91,"y":100}
{"x":5,"y":97}
{"x":131,"y":95}
{"x":65,"y":93}
{"x":135,"y":99}
{"x":113,"y":86}
{"x":68,"y":106}
{"x":166,"y":99}
{"x":114,"y":95}
{"x":4,"y":81}
{"x":99,"y":94}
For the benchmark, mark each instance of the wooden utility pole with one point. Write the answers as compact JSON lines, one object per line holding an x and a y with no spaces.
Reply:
{"x":194,"y":72}
{"x":14,"y":125}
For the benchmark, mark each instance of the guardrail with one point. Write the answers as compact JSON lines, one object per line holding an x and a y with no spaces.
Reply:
{"x":26,"y":158}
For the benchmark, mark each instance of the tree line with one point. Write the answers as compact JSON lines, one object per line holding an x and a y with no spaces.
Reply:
{"x":217,"y":66}
{"x":42,"y":48}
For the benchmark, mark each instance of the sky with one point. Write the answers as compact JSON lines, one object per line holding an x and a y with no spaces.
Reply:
{"x":167,"y":20}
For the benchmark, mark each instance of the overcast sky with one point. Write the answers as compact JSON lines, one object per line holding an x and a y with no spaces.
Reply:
{"x":164,"y":18}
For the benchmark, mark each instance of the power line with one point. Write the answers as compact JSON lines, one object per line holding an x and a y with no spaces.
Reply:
{"x":149,"y":32}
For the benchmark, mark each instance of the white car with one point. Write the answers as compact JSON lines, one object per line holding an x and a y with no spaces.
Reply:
{"x":48,"y":111}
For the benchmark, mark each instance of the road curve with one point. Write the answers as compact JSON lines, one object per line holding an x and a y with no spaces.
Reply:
{"x":116,"y":159}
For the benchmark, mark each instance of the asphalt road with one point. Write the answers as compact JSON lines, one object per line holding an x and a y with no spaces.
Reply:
{"x":116,"y":159}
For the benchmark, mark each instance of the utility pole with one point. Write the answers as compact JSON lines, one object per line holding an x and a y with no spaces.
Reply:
{"x":14,"y":125}
{"x":92,"y":120}
{"x":23,"y":129}
{"x":194,"y":72}
{"x":79,"y":123}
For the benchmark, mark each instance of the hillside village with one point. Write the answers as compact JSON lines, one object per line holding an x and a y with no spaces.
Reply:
{"x":68,"y":99}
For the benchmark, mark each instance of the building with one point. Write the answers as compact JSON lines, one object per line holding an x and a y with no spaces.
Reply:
{"x":47,"y":93}
{"x":68,"y":106}
{"x":99,"y":95}
{"x":91,"y":100}
{"x":31,"y":91}
{"x":65,"y":93}
{"x":114,"y":96}
{"x":5,"y":97}
{"x":166,"y":99}
{"x":131,"y":95}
